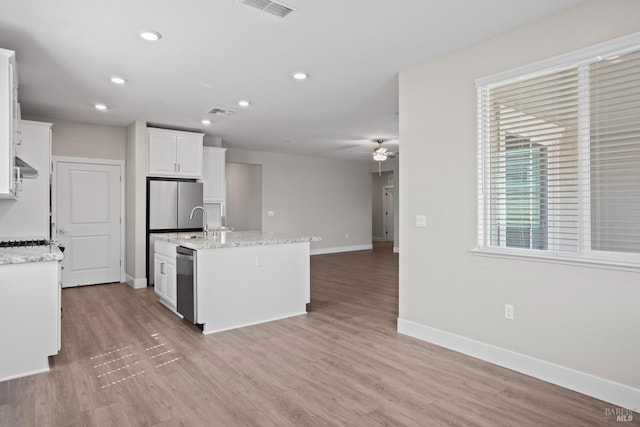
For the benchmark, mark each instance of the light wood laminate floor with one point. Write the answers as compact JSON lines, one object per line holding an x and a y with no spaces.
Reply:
{"x":127,"y":361}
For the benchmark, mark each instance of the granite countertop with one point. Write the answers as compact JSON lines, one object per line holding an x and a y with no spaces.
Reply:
{"x":24,"y":254}
{"x":233,"y":239}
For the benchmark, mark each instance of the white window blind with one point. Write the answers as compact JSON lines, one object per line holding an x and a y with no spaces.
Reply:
{"x":615,"y":153}
{"x":559,"y":160}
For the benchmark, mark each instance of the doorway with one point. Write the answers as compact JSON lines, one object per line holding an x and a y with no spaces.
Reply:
{"x":87,"y":212}
{"x":382,"y":207}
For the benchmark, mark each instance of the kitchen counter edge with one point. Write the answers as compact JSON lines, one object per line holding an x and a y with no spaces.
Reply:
{"x":237,"y":239}
{"x":23,"y":255}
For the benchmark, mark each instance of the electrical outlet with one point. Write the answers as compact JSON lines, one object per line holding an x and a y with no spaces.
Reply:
{"x":271,"y":213}
{"x":421,"y":220}
{"x":259,"y":261}
{"x":346,"y":236}
{"x":508,"y":311}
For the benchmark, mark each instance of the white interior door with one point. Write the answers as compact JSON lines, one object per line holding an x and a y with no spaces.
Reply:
{"x":88,"y":222}
{"x":388,"y":213}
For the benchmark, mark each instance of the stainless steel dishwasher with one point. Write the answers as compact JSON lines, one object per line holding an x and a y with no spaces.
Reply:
{"x":186,"y":283}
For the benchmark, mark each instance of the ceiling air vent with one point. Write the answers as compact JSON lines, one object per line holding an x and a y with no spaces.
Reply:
{"x":221,"y":112}
{"x":278,"y":9}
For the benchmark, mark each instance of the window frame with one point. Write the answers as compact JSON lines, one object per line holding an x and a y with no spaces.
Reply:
{"x":584,"y":256}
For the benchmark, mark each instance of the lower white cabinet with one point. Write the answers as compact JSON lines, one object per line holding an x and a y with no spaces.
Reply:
{"x":29,"y":317}
{"x":164,"y":268}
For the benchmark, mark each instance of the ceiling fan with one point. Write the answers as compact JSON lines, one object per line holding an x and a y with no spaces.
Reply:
{"x":380,"y":153}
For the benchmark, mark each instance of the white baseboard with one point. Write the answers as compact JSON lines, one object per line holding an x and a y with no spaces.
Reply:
{"x":136,"y":283}
{"x":322,"y":251}
{"x":600,"y":388}
{"x":206,"y":331}
{"x":25,"y":374}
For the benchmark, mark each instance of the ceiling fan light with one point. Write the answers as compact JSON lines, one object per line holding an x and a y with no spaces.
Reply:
{"x":379,"y":157}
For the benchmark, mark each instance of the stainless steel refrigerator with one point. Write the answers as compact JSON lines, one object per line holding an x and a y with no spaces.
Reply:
{"x":169,"y":203}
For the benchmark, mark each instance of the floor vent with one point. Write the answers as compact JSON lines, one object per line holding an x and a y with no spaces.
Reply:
{"x":278,"y":9}
{"x":221,"y":112}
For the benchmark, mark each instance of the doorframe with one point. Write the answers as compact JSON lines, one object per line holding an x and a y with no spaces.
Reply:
{"x":386,"y":188}
{"x":54,"y":197}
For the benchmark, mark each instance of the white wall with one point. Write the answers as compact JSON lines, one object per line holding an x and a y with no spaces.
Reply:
{"x":136,"y":200}
{"x":314,"y":196}
{"x":585,"y":319}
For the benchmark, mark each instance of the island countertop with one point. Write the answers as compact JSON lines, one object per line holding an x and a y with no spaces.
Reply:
{"x":233,"y":239}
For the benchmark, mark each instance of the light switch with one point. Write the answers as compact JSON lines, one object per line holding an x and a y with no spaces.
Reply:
{"x":270,"y":213}
{"x":421,"y":220}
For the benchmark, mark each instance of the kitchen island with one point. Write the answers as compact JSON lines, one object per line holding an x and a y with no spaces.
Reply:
{"x":245,"y":278}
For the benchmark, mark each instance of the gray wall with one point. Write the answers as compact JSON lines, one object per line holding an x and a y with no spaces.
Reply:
{"x":76,"y":139}
{"x":309,"y":195}
{"x":244,"y":196}
{"x":586,"y":319}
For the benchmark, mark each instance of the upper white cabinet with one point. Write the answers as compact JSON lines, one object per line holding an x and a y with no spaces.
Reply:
{"x":213,"y":177}
{"x":9,"y":117}
{"x":175,"y":153}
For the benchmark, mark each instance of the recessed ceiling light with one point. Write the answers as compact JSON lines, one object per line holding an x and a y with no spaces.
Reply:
{"x":118,"y":80}
{"x":100,"y":107}
{"x":150,"y":36}
{"x":244,"y":103}
{"x":205,"y":121}
{"x":300,"y":76}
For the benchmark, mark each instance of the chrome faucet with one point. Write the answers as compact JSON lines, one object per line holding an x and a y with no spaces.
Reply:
{"x":205,"y":226}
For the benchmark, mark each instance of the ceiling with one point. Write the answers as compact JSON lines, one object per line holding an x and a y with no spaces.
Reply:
{"x":214,"y":53}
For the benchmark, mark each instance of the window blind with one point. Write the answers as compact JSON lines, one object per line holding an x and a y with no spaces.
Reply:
{"x":615,"y":153}
{"x":559,"y":159}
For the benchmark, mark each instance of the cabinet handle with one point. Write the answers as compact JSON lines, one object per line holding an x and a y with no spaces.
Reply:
{"x":178,"y":167}
{"x":175,"y":167}
{"x":162,"y":268}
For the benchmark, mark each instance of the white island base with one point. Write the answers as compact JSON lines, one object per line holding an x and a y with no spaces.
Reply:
{"x":246,"y":285}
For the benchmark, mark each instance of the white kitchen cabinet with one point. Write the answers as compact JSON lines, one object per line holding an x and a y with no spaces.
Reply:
{"x":29,"y":317}
{"x":9,"y":117}
{"x":29,"y":216}
{"x":158,"y":269}
{"x":175,"y":153}
{"x":170,"y":285}
{"x":164,"y":266}
{"x":213,"y":176}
